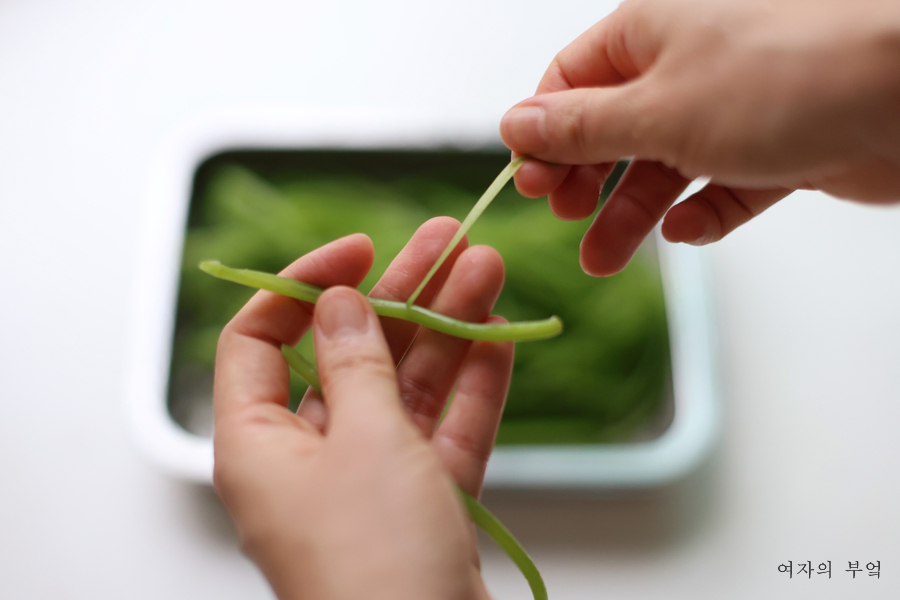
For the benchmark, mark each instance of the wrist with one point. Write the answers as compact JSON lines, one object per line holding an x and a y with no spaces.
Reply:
{"x":297,"y":571}
{"x":292,"y":571}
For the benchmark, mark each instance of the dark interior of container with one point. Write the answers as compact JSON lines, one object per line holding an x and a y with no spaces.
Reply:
{"x":244,"y":198}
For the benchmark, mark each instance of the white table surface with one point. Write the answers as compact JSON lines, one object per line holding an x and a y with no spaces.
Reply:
{"x":807,"y":304}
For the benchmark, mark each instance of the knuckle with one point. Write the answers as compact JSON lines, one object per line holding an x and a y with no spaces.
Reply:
{"x":643,"y":217}
{"x":670,"y":175}
{"x":578,"y":133}
{"x":570,"y":128}
{"x":469,"y":446}
{"x":743,"y":211}
{"x":656,"y":129}
{"x":355,"y":359}
{"x":663,"y":125}
{"x":558,"y":67}
{"x":419,"y":397}
{"x":703,"y":202}
{"x":389,"y":289}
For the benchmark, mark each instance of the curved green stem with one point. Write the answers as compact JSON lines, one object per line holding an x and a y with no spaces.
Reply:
{"x":522,"y":331}
{"x":480,"y":515}
{"x":486,"y":198}
{"x":492,"y":526}
{"x":305,"y":369}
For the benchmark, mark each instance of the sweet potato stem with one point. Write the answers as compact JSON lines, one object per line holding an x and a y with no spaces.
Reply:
{"x":496,"y":332}
{"x":486,"y":198}
{"x":521,"y":331}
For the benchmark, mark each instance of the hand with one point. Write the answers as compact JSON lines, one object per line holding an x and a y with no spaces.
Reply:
{"x":763,"y":97}
{"x":355,"y":497}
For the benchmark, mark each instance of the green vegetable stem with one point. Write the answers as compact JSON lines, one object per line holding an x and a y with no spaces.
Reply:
{"x":480,"y":515}
{"x":518,"y":332}
{"x":522,"y":331}
{"x":505,"y":175}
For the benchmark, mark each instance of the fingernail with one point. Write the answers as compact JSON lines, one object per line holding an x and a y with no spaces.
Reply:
{"x":341,"y":313}
{"x":523,"y":127}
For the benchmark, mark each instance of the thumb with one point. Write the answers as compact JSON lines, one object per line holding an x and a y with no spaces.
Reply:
{"x":355,"y":364}
{"x":586,"y":125}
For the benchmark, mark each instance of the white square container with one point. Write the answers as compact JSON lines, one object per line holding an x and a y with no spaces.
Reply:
{"x":675,"y":452}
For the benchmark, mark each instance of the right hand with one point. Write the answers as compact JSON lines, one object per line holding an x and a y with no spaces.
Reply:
{"x":763,"y":97}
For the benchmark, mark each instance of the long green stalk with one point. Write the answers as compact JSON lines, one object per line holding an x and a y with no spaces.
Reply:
{"x":518,"y":332}
{"x":486,"y":198}
{"x":522,"y":331}
{"x":302,"y":367}
{"x":492,"y":526}
{"x":480,"y":515}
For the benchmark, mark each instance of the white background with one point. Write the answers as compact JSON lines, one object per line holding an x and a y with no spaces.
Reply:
{"x":807,"y":297}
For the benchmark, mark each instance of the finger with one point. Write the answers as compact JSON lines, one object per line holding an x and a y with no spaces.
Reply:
{"x":249,"y":366}
{"x":428,"y":372}
{"x":577,"y":196}
{"x":355,"y":365}
{"x":590,"y":126}
{"x":408,"y":269}
{"x":536,"y":178}
{"x":598,"y":57}
{"x":466,"y":436}
{"x":642,"y":197}
{"x":715,"y":211}
{"x":398,"y":282}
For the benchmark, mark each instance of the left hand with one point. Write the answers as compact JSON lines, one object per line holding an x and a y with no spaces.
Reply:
{"x":355,"y":498}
